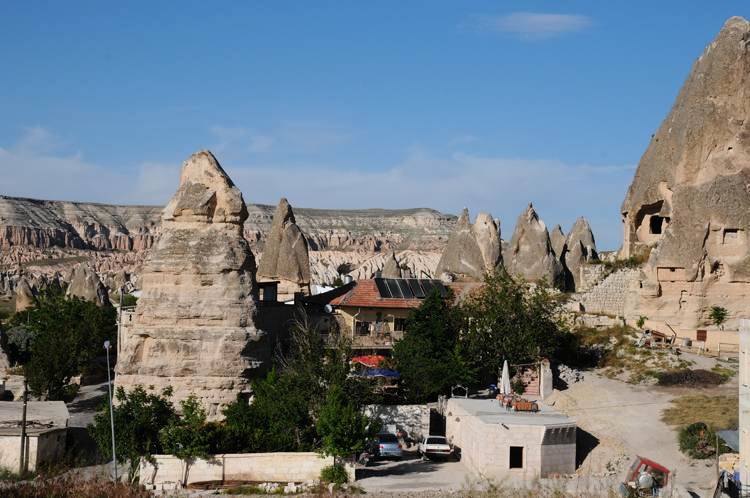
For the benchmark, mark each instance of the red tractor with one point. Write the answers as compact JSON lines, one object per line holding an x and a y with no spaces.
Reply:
{"x":645,"y":478}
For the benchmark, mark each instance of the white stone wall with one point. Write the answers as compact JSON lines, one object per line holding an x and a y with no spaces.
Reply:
{"x":414,"y":419}
{"x":744,"y":401}
{"x":43,"y":448}
{"x":256,"y":467}
{"x":609,"y":295}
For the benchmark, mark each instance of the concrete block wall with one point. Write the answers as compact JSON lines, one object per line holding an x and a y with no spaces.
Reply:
{"x":42,"y":448}
{"x":255,"y":467}
{"x":558,"y":459}
{"x":609,"y":295}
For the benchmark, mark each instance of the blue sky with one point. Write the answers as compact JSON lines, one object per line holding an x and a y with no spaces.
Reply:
{"x":488,"y":105}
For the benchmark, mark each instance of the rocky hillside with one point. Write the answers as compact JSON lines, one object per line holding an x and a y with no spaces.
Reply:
{"x":51,"y":236}
{"x":80,"y":225}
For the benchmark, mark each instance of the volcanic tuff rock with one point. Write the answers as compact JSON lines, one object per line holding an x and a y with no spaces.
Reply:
{"x":60,"y":234}
{"x":285,"y":255}
{"x":392,"y":268}
{"x":530,"y":254}
{"x":557,"y":239}
{"x":580,"y":249}
{"x":85,"y":283}
{"x":25,"y":295}
{"x":689,"y":203}
{"x":472,"y":250}
{"x":194,"y":326}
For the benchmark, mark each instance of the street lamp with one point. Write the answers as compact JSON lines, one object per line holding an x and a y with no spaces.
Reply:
{"x":111,"y":416}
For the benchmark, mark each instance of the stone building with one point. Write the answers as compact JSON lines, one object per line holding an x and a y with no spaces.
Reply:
{"x":373,"y":312}
{"x":498,"y":444}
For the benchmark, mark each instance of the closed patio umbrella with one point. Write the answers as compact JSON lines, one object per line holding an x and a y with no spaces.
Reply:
{"x":505,"y":379}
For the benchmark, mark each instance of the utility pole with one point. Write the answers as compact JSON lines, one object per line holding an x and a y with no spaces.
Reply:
{"x":22,"y":464}
{"x":119,"y":322}
{"x":111,"y":415}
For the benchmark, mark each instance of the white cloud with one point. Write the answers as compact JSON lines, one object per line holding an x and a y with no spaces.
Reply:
{"x":530,"y":26}
{"x":503,"y":186}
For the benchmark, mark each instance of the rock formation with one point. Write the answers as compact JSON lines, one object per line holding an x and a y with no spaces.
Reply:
{"x":285,"y":256}
{"x":688,"y":208}
{"x":580,"y":249}
{"x":85,"y":283}
{"x":557,"y":239}
{"x":530,"y":254}
{"x":60,"y":234}
{"x":392,"y":268}
{"x":193,"y":327}
{"x":25,"y":295}
{"x":472,"y":250}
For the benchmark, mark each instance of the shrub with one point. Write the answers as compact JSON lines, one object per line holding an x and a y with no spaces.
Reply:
{"x":697,"y":440}
{"x":518,"y":386}
{"x":689,"y":377}
{"x":335,"y":474}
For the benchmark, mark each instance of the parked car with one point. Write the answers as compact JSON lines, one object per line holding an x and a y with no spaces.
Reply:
{"x":435,"y":447}
{"x":386,"y":445}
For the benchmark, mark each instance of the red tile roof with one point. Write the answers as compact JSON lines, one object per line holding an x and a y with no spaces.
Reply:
{"x":365,"y":294}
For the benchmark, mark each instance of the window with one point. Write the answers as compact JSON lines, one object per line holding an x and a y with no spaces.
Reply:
{"x":399,"y":324}
{"x":362,"y":328}
{"x":516,"y":457}
{"x":656,"y":224}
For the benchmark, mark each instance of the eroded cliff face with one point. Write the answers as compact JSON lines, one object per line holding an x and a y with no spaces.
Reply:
{"x":194,"y":327}
{"x":47,"y":236}
{"x":689,"y":203}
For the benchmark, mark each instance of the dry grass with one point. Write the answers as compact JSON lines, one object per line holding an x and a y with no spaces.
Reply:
{"x":70,"y":488}
{"x":718,"y":412}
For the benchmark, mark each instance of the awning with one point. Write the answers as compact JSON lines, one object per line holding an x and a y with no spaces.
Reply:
{"x":380,"y":372}
{"x":372,"y":361}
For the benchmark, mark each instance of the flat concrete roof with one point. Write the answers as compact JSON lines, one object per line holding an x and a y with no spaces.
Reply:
{"x":489,"y":411}
{"x":49,"y":413}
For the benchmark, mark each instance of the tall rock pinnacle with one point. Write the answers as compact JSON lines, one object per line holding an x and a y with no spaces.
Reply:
{"x":688,"y":208}
{"x":194,"y":326}
{"x":472,"y":250}
{"x":285,"y":256}
{"x":530,"y":254}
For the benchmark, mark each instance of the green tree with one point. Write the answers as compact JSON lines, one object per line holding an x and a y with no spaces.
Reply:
{"x":718,"y":316}
{"x":428,"y":357}
{"x":286,"y":404}
{"x":510,"y":320}
{"x":67,"y":334}
{"x":186,"y":436}
{"x":139,"y":418}
{"x":342,"y":427}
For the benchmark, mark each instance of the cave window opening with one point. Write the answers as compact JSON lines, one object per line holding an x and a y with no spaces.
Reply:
{"x":656,"y":224}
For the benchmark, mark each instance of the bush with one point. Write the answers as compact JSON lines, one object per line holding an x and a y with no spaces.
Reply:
{"x":689,"y":377}
{"x":518,"y":386}
{"x":335,"y":474}
{"x":697,"y":440}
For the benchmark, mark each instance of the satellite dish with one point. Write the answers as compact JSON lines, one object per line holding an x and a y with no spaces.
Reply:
{"x":328,"y":308}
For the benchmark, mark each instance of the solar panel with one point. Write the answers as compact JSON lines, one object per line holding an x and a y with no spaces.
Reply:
{"x":382,"y":288}
{"x":405,"y":289}
{"x":393,"y":286}
{"x":416,"y":289}
{"x":440,"y":287}
{"x":427,"y":287}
